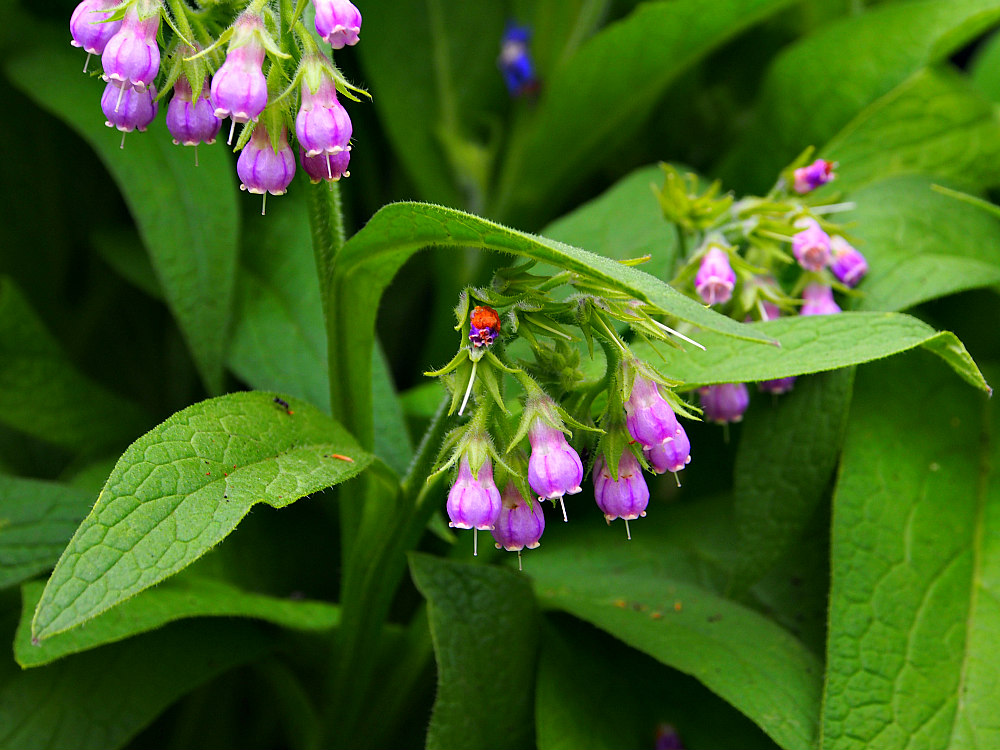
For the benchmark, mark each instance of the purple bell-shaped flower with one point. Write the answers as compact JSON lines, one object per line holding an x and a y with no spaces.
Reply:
{"x":818,"y":301}
{"x":848,"y":264}
{"x":811,"y":246}
{"x":813,"y":176}
{"x":132,"y":56}
{"x":715,"y":279}
{"x":554,"y":468}
{"x":474,"y":501}
{"x":192,"y":122}
{"x":672,"y":455}
{"x":625,"y":498}
{"x":338,"y":22}
{"x":519,"y":525}
{"x":261,"y":168}
{"x":649,"y":418}
{"x":322,"y":125}
{"x":724,"y":403}
{"x":239,"y":89}
{"x":128,"y":109}
{"x":329,"y":167}
{"x":88,"y":28}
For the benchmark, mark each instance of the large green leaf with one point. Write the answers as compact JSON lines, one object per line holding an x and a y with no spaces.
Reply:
{"x":36,"y":520}
{"x":44,"y":395}
{"x":812,"y":343}
{"x":603,"y":94}
{"x":934,"y":123}
{"x":187,"y":215}
{"x":646,"y":593}
{"x":913,"y":656}
{"x":182,"y":488}
{"x":175,"y":599}
{"x":867,"y":54}
{"x":920,"y":244}
{"x":623,"y":223}
{"x":371,"y":257}
{"x":484,"y":627}
{"x":774,"y":498}
{"x":100,"y":700}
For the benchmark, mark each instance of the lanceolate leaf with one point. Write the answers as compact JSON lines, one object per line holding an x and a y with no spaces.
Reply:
{"x":187,"y":216}
{"x":42,"y":393}
{"x":183,"y":487}
{"x":912,"y":655}
{"x":370,"y":258}
{"x":812,"y":344}
{"x":177,"y":598}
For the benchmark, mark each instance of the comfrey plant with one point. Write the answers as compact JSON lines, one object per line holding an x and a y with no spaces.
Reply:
{"x":274,"y":78}
{"x":758,"y":258}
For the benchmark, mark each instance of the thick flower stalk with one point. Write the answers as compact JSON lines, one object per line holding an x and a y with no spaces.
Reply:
{"x":132,"y":56}
{"x":338,"y":22}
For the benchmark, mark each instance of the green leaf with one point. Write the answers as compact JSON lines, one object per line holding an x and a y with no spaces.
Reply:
{"x":985,"y":69}
{"x":934,"y":123}
{"x":598,"y":100}
{"x":798,"y":107}
{"x":787,"y":454}
{"x":279,"y":341}
{"x":623,"y":223}
{"x":813,"y":343}
{"x":371,"y":257}
{"x":182,"y":488}
{"x":187,"y":216}
{"x":920,"y":244}
{"x":44,"y":395}
{"x":485,"y":633}
{"x":36,"y":520}
{"x":583,"y":676}
{"x":645,"y":593}
{"x":916,"y":565}
{"x":175,"y":599}
{"x":100,"y":700}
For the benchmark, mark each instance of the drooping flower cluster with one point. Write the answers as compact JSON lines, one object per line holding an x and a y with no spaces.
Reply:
{"x":741,"y":249}
{"x":242,"y":84}
{"x":626,"y":423}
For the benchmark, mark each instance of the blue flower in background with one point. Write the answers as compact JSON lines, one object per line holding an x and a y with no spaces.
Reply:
{"x":515,"y":61}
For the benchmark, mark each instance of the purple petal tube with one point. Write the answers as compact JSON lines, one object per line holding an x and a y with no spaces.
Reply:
{"x":724,"y":403}
{"x":672,"y":455}
{"x":191,"y":122}
{"x":262,"y":169}
{"x":132,"y":56}
{"x":518,"y":525}
{"x":329,"y":167}
{"x":628,"y":497}
{"x":848,"y":264}
{"x":87,"y":27}
{"x":338,"y":22}
{"x":554,"y":468}
{"x":650,"y":420}
{"x":128,"y":109}
{"x":239,"y":89}
{"x":811,"y":246}
{"x":322,"y":125}
{"x":474,"y":503}
{"x":818,"y":301}
{"x":715,"y":279}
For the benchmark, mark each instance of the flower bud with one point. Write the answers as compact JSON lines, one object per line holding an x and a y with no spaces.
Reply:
{"x":132,"y":56}
{"x":811,"y":246}
{"x":515,"y":61}
{"x":322,"y":125}
{"x":818,"y":301}
{"x":474,"y":502}
{"x":518,"y":525}
{"x":329,"y":167}
{"x":626,"y":498}
{"x":724,"y":403}
{"x":338,"y":22}
{"x":191,"y":122}
{"x":262,"y":169}
{"x":715,"y":279}
{"x":813,"y":176}
{"x":87,"y":26}
{"x":848,"y":264}
{"x":127,"y":108}
{"x":672,"y":455}
{"x":554,"y":468}
{"x":239,"y":89}
{"x":650,"y":420}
